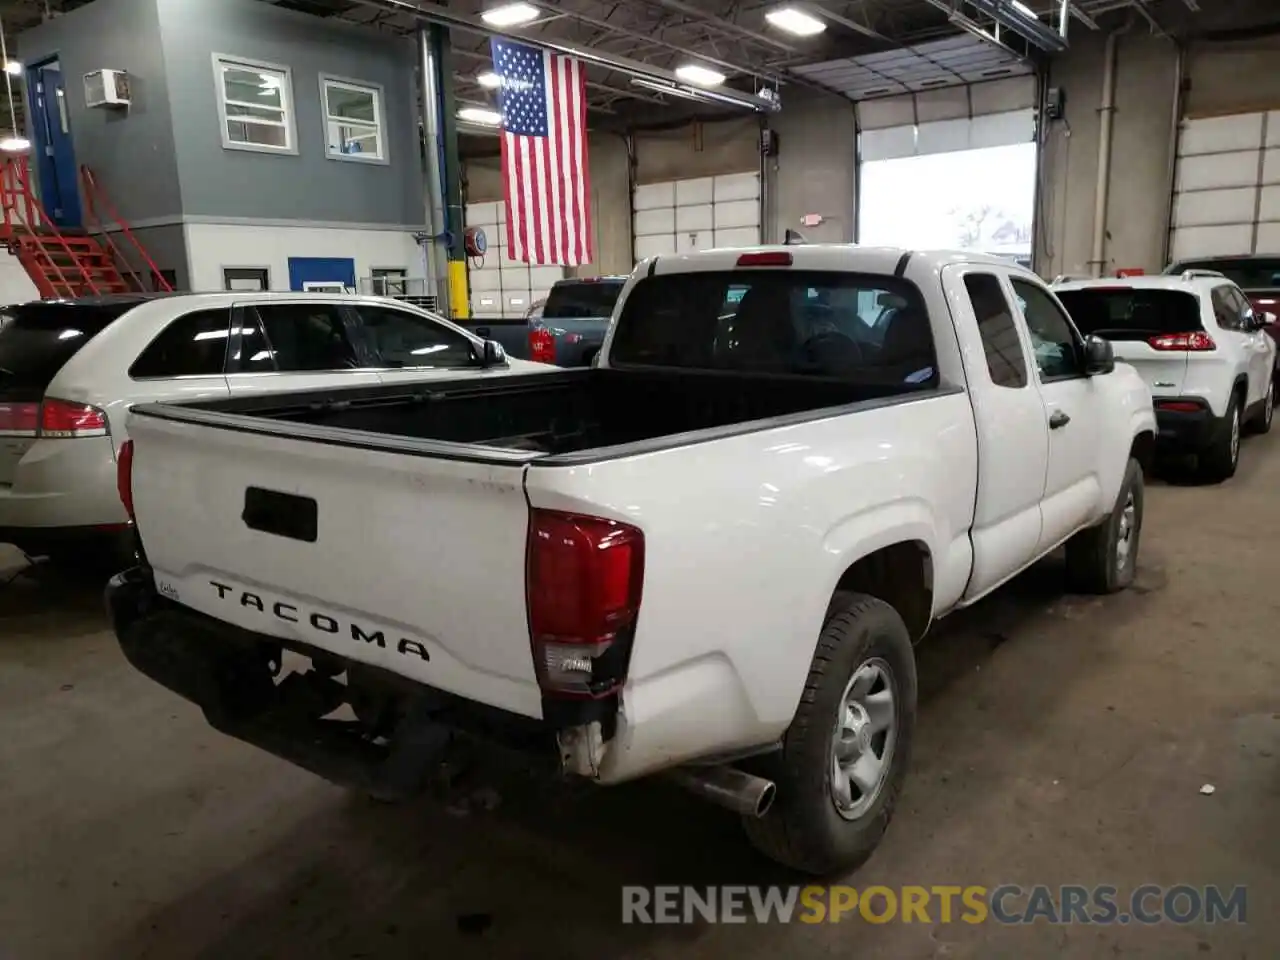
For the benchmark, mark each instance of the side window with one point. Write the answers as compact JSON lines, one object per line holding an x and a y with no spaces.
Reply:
{"x":1225,"y":310}
{"x":398,"y":338}
{"x":1005,"y":359}
{"x":295,"y":337}
{"x":1243,"y":310}
{"x":1053,"y":340}
{"x":193,"y":345}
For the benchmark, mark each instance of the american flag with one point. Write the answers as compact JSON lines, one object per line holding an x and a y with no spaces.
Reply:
{"x":544,"y":154}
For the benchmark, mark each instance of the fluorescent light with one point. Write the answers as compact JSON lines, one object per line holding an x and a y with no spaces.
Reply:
{"x":13,"y":68}
{"x":510,"y":15}
{"x":15,"y":144}
{"x":795,"y":21}
{"x":1023,"y":9}
{"x":489,"y":118}
{"x":489,"y":80}
{"x":702,"y":76}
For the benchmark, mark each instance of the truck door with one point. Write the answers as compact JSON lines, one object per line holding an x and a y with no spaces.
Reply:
{"x":1072,"y":488}
{"x":1013,"y":439}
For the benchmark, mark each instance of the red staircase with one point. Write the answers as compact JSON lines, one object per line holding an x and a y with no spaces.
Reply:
{"x":66,"y":263}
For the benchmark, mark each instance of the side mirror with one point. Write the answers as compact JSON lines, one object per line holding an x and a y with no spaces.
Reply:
{"x":1099,"y":357}
{"x":493,"y":354}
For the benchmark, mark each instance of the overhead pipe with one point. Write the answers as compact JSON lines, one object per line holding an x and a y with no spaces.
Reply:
{"x":658,"y":78}
{"x":1106,"y":114}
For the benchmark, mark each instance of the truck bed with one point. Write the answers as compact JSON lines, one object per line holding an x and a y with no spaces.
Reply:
{"x":561,"y":414}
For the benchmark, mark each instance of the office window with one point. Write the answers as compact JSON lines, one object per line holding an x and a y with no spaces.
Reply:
{"x":255,"y":102}
{"x":168,"y":276}
{"x":245,"y":278}
{"x":1005,"y":360}
{"x":193,"y":345}
{"x":389,"y":282}
{"x":353,"y":120}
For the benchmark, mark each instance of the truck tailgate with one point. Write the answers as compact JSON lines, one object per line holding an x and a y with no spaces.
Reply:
{"x":409,"y":562}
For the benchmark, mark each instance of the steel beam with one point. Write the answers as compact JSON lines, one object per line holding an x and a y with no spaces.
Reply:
{"x":633,"y":68}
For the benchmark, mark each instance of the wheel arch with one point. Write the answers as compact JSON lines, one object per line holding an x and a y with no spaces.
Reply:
{"x":900,"y":574}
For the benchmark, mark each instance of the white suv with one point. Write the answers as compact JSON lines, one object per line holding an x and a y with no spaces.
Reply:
{"x":1200,"y":346}
{"x":70,"y":370}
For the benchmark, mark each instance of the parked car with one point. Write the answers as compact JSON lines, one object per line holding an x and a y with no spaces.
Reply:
{"x":574,"y":320}
{"x":1199,"y":344}
{"x":709,"y":556}
{"x":1258,"y":275}
{"x":70,"y":370}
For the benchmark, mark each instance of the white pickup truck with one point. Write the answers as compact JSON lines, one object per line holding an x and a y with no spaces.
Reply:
{"x":709,"y":556}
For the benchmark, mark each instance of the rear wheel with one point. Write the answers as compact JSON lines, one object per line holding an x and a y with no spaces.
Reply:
{"x":1220,"y":460}
{"x":1104,"y":559}
{"x":846,"y":753}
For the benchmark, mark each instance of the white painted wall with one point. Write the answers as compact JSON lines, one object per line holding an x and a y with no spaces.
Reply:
{"x":213,"y":246}
{"x":15,"y":285}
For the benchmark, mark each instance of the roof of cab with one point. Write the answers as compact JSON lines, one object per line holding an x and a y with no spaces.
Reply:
{"x":829,"y":256}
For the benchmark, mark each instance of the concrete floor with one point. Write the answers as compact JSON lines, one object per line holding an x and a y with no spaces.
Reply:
{"x":1062,"y":740}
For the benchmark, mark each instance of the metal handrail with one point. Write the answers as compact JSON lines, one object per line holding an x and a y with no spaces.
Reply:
{"x":94,"y":194}
{"x":17,"y":177}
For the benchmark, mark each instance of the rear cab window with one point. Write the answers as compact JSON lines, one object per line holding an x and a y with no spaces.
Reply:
{"x":582,"y":299}
{"x":1248,"y":273}
{"x":38,"y":339}
{"x":862,"y":328}
{"x":1123,"y":313}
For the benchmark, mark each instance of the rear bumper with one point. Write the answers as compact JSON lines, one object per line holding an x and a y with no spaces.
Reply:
{"x":230,"y":673}
{"x":63,"y":484}
{"x":41,"y":541}
{"x":1188,"y":430}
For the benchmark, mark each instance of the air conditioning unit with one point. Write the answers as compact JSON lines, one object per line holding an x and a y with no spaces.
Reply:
{"x":106,"y":88}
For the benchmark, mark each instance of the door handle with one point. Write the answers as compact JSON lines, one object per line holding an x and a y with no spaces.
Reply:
{"x":1059,"y":419}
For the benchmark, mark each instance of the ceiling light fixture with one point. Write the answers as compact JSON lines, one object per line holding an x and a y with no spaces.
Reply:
{"x":489,"y":80}
{"x":795,"y":22}
{"x":698,"y":94}
{"x":702,"y":76}
{"x":13,"y":68}
{"x":15,"y":144}
{"x":510,"y":15}
{"x":486,"y":118}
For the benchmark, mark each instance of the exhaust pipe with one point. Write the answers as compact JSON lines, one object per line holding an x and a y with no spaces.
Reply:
{"x":728,"y":787}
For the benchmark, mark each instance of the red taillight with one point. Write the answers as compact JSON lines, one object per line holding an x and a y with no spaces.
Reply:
{"x":1179,"y":406}
{"x":62,"y":418}
{"x":124,"y":476}
{"x":542,"y":345}
{"x":1183,"y":341}
{"x":771,"y":258}
{"x":19,"y":419}
{"x":583,"y":577}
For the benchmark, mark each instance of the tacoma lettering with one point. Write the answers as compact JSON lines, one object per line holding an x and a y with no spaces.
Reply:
{"x":320,"y":622}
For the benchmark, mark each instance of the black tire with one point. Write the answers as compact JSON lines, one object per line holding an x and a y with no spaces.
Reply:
{"x":804,"y":829}
{"x":1262,"y":423}
{"x":1219,"y":461}
{"x":1094,"y":563}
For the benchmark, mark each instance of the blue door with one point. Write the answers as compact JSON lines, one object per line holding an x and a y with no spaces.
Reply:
{"x":314,"y":270}
{"x":55,"y":156}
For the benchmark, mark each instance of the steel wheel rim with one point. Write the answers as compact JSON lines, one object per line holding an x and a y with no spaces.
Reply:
{"x":1235,"y":436}
{"x":1269,"y":407}
{"x":1125,"y":534}
{"x":863,"y":739}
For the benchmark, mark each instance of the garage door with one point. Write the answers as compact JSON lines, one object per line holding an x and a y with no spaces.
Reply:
{"x":501,"y":287}
{"x":680,"y":216}
{"x":1227,"y":188}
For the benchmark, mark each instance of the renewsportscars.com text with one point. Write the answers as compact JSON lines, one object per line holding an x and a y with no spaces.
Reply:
{"x":1004,"y":904}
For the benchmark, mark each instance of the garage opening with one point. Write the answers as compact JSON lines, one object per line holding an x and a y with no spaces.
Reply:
{"x":951,"y":169}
